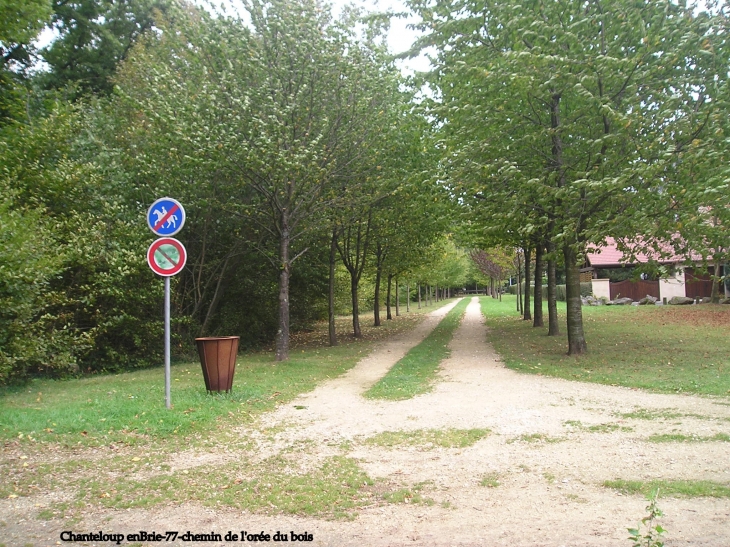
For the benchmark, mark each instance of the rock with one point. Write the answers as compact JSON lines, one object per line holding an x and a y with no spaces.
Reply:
{"x":621,"y":301}
{"x":725,"y":301}
{"x":706,"y":300}
{"x":591,"y":301}
{"x":681,"y":301}
{"x":648,"y":299}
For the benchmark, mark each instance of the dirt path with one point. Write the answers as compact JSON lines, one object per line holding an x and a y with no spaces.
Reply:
{"x":553,"y":443}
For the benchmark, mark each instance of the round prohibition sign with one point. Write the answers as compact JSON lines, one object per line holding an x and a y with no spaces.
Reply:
{"x":166,"y":217}
{"x":166,"y":256}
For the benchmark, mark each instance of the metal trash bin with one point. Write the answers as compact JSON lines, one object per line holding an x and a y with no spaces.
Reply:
{"x":218,"y":359}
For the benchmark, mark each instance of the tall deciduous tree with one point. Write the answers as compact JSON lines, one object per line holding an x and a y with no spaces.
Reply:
{"x":275,"y":118}
{"x":93,"y":37}
{"x":20,"y":23}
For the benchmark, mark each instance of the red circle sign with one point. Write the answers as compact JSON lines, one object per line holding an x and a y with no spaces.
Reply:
{"x":166,"y":256}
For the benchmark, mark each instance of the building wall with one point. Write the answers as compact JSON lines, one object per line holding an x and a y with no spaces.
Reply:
{"x":601,"y":288}
{"x":672,"y":286}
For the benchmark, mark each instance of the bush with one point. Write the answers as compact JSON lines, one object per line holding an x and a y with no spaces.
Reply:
{"x":27,"y":264}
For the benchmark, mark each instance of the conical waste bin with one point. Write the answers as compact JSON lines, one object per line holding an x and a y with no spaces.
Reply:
{"x":218,"y":359}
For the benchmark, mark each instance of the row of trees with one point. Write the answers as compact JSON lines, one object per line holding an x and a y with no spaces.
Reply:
{"x":566,"y":122}
{"x":290,"y":139}
{"x":300,"y":151}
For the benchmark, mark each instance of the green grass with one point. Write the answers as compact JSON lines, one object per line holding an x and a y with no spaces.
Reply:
{"x":596,"y":428}
{"x":668,"y":414}
{"x":115,"y":436}
{"x":679,"y":488}
{"x":331,"y":490}
{"x":445,"y":438}
{"x":650,"y":414}
{"x":114,"y":442}
{"x":490,"y":480}
{"x":535,"y":438}
{"x":659,"y":348}
{"x":415,"y":372}
{"x":130,"y":407}
{"x":680,"y":438}
{"x":409,"y":495}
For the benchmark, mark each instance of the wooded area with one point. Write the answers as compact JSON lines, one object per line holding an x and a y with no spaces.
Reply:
{"x":318,"y":179}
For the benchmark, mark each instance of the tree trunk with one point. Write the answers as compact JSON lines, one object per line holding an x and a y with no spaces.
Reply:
{"x":715,"y":292}
{"x":436,"y":293}
{"x":388,"y":314}
{"x":282,"y":334}
{"x":331,"y":293}
{"x":353,"y":248}
{"x":356,"y":330}
{"x":376,"y":303}
{"x":220,"y":288}
{"x":576,"y":338}
{"x":528,"y":257}
{"x":537,"y":319}
{"x":408,"y":297}
{"x":519,"y":283}
{"x":419,"y":295}
{"x":552,"y":292}
{"x":397,"y":298}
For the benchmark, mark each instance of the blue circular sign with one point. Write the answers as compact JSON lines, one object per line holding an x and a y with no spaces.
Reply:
{"x":166,"y":217}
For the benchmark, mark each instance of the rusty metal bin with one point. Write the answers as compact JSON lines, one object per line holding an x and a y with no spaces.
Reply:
{"x":218,"y":359}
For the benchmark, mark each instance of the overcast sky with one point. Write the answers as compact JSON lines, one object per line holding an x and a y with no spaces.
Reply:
{"x":400,"y":37}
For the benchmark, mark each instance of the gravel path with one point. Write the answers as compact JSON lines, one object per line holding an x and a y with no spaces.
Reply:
{"x":552,"y":444}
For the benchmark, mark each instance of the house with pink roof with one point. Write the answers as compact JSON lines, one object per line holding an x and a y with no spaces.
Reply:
{"x":680,"y":281}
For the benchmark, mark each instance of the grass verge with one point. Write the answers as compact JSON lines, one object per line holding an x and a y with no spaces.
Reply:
{"x":415,"y":372}
{"x":445,"y":438}
{"x":109,"y":442}
{"x":680,"y":488}
{"x":668,"y":349}
{"x":130,"y":407}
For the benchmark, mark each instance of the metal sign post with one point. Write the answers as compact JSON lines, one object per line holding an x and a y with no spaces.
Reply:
{"x":167,"y":342}
{"x":166,"y":257}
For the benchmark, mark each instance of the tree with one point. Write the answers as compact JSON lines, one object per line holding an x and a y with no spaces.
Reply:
{"x":575,"y":101}
{"x":27,"y":264}
{"x":88,"y":303}
{"x":280,"y":120}
{"x":20,"y":24}
{"x":93,"y":37}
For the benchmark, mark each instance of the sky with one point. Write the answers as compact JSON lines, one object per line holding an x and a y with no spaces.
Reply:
{"x":400,"y":37}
